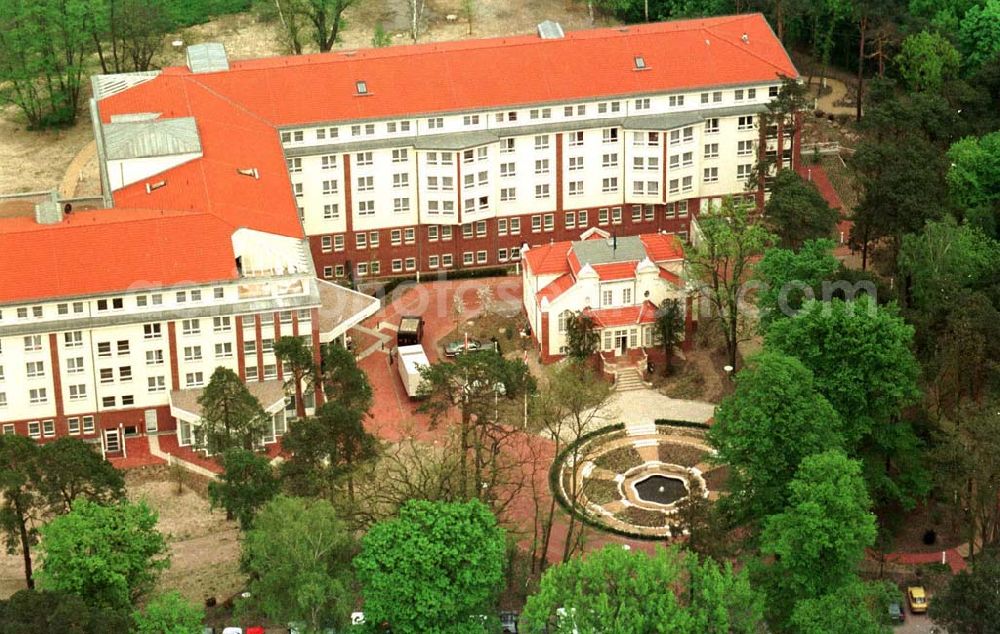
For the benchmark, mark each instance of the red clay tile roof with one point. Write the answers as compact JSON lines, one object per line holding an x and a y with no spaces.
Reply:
{"x":644,"y":313}
{"x":670,"y":277}
{"x":556,"y":288}
{"x":237,"y":111}
{"x":616,"y":270}
{"x":548,"y":259}
{"x":661,"y":247}
{"x":112,"y":250}
{"x":439,"y":77}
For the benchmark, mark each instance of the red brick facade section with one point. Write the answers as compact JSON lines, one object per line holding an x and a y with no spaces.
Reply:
{"x":241,"y":362}
{"x":175,"y":380}
{"x":56,"y":377}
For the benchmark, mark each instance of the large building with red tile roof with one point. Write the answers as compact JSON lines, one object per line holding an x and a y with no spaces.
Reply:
{"x":619,"y":282}
{"x":252,"y":185}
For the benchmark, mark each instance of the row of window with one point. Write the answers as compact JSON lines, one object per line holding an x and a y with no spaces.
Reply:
{"x":512,"y":116}
{"x":399,"y":265}
{"x":47,"y":428}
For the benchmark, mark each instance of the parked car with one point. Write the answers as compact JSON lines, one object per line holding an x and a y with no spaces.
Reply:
{"x":896,"y":612}
{"x":917,"y":599}
{"x":460,"y":346}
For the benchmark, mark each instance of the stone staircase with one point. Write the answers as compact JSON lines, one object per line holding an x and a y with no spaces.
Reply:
{"x":628,"y":379}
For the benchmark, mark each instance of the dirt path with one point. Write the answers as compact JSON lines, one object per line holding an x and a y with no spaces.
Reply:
{"x":204,"y":547}
{"x":826,"y":102}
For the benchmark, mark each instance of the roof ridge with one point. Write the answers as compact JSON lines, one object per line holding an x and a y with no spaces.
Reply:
{"x":522,"y":39}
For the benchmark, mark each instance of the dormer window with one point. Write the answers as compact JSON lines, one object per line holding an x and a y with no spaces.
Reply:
{"x":640,"y":62}
{"x":362,"y":87}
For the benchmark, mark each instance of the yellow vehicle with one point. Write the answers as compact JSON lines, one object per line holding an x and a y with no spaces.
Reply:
{"x":917,"y":599}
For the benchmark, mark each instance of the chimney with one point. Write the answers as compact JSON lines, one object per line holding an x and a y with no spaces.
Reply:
{"x":48,"y":213}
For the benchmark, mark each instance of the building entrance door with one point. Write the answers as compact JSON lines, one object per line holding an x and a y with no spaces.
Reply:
{"x":112,"y":442}
{"x":621,"y":341}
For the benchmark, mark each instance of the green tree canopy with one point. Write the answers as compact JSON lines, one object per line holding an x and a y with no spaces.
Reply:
{"x":246,"y":484}
{"x":722,"y":261}
{"x":325,"y":450}
{"x":169,"y":613}
{"x":774,"y":419}
{"x":300,"y":365}
{"x":22,"y":505}
{"x":434,"y":568}
{"x":44,"y":45}
{"x":41,"y":612}
{"x":342,"y":379}
{"x":230,"y":415}
{"x":854,"y":608}
{"x":820,"y":538}
{"x":860,"y":357}
{"x":797,"y":212}
{"x":618,"y":590}
{"x":971,"y":603}
{"x":788,"y":278}
{"x":71,"y":469}
{"x":927,"y":60}
{"x":974,"y":180}
{"x":979,"y":33}
{"x":298,"y":556}
{"x":111,"y":555}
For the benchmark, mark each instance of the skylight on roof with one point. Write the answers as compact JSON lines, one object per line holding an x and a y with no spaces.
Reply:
{"x":640,"y":62}
{"x":362,"y":87}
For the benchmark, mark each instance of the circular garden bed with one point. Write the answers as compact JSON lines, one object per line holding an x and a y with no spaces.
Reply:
{"x":635,"y":484}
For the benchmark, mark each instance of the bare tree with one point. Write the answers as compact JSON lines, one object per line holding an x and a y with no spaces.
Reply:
{"x":572,"y":401}
{"x":416,"y":17}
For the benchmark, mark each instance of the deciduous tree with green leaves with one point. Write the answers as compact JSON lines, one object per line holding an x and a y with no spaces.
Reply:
{"x":298,"y":556}
{"x":301,"y":21}
{"x":44,"y":45}
{"x":41,"y":611}
{"x":169,"y":613}
{"x":797,"y":212}
{"x":774,"y":419}
{"x":246,"y":484}
{"x":860,"y":357}
{"x":435,"y":568}
{"x":127,"y":34}
{"x":721,"y":260}
{"x":927,"y":60}
{"x":788,"y":278}
{"x":230,"y":415}
{"x":979,"y":33}
{"x":620,"y":590}
{"x":971,"y":603}
{"x":974,"y":181}
{"x":854,"y":608}
{"x":820,"y":538}
{"x":111,"y":555}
